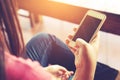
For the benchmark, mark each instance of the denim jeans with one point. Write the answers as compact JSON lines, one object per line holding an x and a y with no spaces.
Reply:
{"x":48,"y":49}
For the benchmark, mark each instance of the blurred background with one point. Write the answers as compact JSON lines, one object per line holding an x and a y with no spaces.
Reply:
{"x":109,"y":52}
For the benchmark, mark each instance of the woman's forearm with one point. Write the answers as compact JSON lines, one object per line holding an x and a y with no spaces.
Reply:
{"x":85,"y":73}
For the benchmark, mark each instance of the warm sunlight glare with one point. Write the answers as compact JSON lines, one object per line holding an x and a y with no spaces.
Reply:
{"x":23,"y":12}
{"x":103,"y":5}
{"x":67,"y":1}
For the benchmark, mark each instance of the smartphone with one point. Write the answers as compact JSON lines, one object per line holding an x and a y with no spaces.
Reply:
{"x":89,"y":26}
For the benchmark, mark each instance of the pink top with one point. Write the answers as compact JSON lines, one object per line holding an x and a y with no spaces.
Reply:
{"x":20,"y":69}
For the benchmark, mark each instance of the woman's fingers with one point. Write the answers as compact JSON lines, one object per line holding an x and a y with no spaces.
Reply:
{"x":70,"y":36}
{"x":95,"y":38}
{"x":95,"y":42}
{"x":75,"y":29}
{"x":66,"y":75}
{"x":68,"y":39}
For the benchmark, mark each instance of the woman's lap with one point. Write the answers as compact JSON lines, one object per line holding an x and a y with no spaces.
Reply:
{"x":47,"y":49}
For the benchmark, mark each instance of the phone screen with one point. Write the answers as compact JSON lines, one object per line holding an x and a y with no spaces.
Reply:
{"x":87,"y":28}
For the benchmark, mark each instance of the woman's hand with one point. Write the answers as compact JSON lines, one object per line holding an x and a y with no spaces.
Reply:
{"x":85,"y":57}
{"x":84,"y":49}
{"x":59,"y":72}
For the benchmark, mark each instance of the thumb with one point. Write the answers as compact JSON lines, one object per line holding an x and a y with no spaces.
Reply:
{"x":80,"y":42}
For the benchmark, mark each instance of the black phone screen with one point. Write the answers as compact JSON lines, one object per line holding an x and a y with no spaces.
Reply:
{"x":87,"y":28}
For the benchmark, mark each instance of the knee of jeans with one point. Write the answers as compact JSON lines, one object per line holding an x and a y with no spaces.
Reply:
{"x":45,"y":36}
{"x":41,"y":37}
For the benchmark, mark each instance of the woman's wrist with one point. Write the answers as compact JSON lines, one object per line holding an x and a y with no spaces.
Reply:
{"x":83,"y":74}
